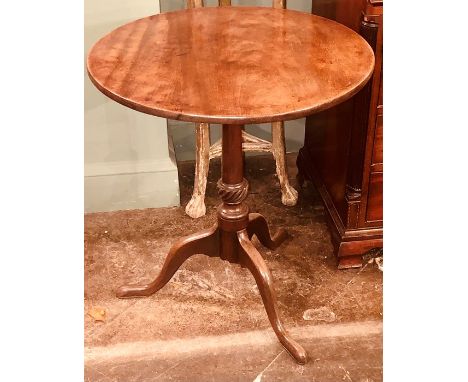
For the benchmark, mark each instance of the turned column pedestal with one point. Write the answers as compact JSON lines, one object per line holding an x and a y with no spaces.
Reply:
{"x":229,"y":239}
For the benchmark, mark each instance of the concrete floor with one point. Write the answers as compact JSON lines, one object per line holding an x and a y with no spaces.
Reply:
{"x":208,"y":323}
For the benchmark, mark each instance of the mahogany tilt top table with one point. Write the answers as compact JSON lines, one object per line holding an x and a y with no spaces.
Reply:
{"x":230,"y":65}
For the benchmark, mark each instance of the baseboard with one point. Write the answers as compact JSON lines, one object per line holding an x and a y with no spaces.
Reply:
{"x":112,"y":186}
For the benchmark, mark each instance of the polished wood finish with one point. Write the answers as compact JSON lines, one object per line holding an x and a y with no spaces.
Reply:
{"x":343,"y":146}
{"x":232,"y":139}
{"x":251,"y":258}
{"x":229,"y":239}
{"x":208,"y":64}
{"x":205,"y":242}
{"x":196,"y":208}
{"x":259,"y":227}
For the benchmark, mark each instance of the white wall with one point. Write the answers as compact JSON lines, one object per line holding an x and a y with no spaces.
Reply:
{"x":182,"y":133}
{"x":128,"y":162}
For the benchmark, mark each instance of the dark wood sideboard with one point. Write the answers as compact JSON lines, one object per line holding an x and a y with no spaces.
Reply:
{"x":343,"y":146}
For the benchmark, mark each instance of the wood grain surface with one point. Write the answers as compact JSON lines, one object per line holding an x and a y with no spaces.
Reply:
{"x":231,"y":65}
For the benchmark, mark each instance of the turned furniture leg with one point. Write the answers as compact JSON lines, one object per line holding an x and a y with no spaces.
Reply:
{"x":196,"y":206}
{"x":288,"y":193}
{"x":251,"y":258}
{"x":258,"y":226}
{"x":279,"y":3}
{"x":205,"y":242}
{"x":194,"y":3}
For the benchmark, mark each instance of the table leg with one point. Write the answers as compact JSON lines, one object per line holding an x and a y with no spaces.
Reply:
{"x":258,"y":226}
{"x":229,"y":239}
{"x":204,"y":242}
{"x":252,"y":259}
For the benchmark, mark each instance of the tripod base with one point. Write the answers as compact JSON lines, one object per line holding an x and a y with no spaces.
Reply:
{"x":235,"y":247}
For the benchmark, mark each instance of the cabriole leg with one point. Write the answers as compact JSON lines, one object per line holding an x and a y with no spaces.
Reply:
{"x":205,"y":242}
{"x":258,"y":226}
{"x":251,"y":258}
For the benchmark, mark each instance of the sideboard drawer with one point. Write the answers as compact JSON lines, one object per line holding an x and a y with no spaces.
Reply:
{"x":377,"y":152}
{"x":374,"y":211}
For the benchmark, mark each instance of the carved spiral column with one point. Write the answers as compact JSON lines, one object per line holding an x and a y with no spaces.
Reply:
{"x":233,"y":213}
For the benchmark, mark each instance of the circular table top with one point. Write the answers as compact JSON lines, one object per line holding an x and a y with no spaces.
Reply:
{"x":232,"y":65}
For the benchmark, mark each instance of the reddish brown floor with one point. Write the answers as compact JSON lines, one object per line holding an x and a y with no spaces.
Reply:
{"x":209,"y":298}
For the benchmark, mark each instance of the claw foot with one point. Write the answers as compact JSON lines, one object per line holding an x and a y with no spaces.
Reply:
{"x":196,"y":207}
{"x":289,"y":196}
